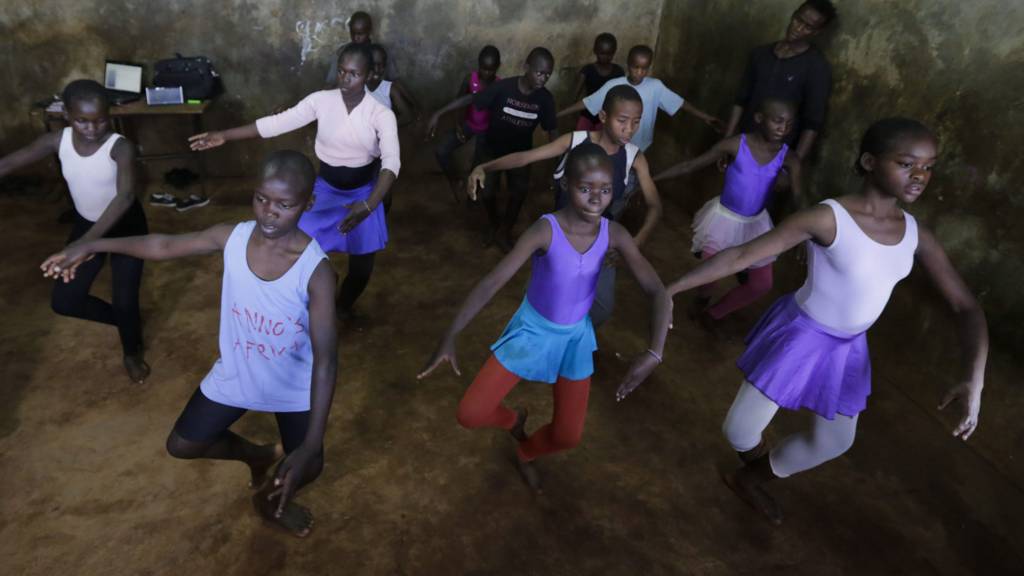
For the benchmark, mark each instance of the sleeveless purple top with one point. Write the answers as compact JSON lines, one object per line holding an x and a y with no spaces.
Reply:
{"x":563,"y":281}
{"x":747,"y":183}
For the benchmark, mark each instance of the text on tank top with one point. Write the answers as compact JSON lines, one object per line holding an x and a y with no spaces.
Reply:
{"x":563,"y":280}
{"x":748,"y":184}
{"x":266,"y":357}
{"x":850,"y":281}
{"x":92,"y":180}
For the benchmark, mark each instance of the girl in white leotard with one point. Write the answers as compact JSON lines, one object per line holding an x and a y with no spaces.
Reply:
{"x":809,"y":349}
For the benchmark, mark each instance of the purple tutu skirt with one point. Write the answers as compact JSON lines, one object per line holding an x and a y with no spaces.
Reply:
{"x":798,"y":363}
{"x":716,"y":228}
{"x":322,"y":221}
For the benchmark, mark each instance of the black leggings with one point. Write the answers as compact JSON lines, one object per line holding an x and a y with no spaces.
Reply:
{"x":203,"y":421}
{"x":73,"y":299}
{"x":360,"y":267}
{"x":518,"y":183}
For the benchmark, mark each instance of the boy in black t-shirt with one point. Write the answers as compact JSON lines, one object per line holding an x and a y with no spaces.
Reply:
{"x":517,"y":106}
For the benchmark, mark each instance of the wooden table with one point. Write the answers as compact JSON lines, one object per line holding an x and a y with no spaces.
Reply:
{"x":124,"y":116}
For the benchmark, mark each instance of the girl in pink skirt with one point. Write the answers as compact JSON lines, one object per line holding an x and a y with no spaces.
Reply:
{"x":739,"y":215}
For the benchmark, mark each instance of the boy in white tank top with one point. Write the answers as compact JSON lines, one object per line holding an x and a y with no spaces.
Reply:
{"x":809,"y":350}
{"x":278,"y":349}
{"x":99,"y":166}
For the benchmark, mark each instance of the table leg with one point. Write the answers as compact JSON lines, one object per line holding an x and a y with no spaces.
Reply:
{"x":197,"y":127}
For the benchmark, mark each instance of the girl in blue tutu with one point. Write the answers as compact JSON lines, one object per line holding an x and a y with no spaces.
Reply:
{"x":809,"y":350}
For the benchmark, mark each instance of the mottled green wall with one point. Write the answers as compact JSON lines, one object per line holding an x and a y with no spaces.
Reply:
{"x":957,"y":66}
{"x":274,"y":52}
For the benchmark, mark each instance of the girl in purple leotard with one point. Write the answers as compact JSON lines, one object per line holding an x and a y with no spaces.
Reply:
{"x":550,"y":339}
{"x":739,"y":215}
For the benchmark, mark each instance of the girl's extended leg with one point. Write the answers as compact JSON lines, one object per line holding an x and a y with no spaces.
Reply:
{"x":201,"y":431}
{"x":566,"y":427}
{"x":758,"y":283}
{"x":360,"y":267}
{"x":481,"y":406}
{"x":827,"y":439}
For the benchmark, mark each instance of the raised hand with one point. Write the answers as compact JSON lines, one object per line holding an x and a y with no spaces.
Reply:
{"x":206,"y":140}
{"x":445,"y":353}
{"x":969,"y":397}
{"x":476,"y":179}
{"x":638,"y":372}
{"x":63,"y":264}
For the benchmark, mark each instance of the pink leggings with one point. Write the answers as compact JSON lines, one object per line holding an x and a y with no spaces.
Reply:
{"x":481,"y":407}
{"x":757,"y":284}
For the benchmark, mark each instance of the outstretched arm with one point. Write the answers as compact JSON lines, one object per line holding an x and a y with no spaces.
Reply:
{"x":516,"y":160}
{"x":575,"y":108}
{"x":39,"y":149}
{"x":971,"y":327}
{"x":661,"y":308}
{"x":208,"y":140}
{"x":296,"y":467}
{"x":460,"y":102}
{"x":815,"y":223}
{"x":727,"y":146}
{"x":537,"y":237}
{"x":148,"y":247}
{"x":708,"y":119}
{"x":651,"y":199}
{"x":794,"y":166}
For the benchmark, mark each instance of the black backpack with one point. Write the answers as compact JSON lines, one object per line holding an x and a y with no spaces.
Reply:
{"x":195,"y":75}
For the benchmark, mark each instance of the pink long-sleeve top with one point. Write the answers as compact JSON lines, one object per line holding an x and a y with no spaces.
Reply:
{"x":353,"y":139}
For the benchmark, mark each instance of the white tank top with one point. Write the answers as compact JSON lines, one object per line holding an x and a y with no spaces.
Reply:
{"x":849,"y":282}
{"x":91,"y":179}
{"x":383,"y":93}
{"x":266,"y":359}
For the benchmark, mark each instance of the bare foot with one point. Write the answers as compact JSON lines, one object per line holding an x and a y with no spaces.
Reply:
{"x":268,"y":455}
{"x":136,"y":367}
{"x":530,"y":474}
{"x":518,"y":430}
{"x":295,"y":519}
{"x":754,"y":495}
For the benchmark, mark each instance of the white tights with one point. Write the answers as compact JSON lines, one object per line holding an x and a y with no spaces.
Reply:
{"x":750,"y":414}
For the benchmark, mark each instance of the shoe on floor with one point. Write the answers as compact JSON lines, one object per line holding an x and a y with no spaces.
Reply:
{"x":193,"y":201}
{"x":161,"y":199}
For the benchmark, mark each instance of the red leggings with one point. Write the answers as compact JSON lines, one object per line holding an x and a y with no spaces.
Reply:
{"x":757,"y":284}
{"x":481,"y":407}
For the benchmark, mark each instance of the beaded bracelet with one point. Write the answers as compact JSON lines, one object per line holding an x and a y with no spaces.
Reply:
{"x":655,"y":354}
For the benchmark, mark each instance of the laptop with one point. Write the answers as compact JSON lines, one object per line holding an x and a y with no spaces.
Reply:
{"x":123,"y":81}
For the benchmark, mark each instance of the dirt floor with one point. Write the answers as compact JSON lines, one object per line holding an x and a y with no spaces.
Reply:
{"x":87,"y":487}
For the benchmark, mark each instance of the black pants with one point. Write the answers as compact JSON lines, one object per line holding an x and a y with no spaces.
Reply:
{"x":204,"y":420}
{"x":518,"y":183}
{"x":73,"y":299}
{"x":445,"y":150}
{"x":360,"y":268}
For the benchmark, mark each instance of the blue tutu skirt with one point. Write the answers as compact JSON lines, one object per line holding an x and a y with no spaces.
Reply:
{"x":537,"y":349}
{"x":799,"y":363}
{"x":321,"y":222}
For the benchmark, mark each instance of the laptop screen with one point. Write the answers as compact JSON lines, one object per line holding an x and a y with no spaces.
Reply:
{"x":123,"y":77}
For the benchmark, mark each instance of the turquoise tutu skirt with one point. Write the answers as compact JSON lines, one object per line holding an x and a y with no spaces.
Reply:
{"x":535,"y":348}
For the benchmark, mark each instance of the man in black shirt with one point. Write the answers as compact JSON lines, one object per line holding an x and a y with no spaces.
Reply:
{"x":517,"y":106}
{"x":790,"y":69}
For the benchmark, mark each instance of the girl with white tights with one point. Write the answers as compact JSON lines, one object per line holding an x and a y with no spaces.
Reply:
{"x":809,"y":350}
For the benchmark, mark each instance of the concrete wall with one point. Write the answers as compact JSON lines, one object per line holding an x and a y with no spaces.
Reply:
{"x":274,"y":52}
{"x":954,"y":65}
